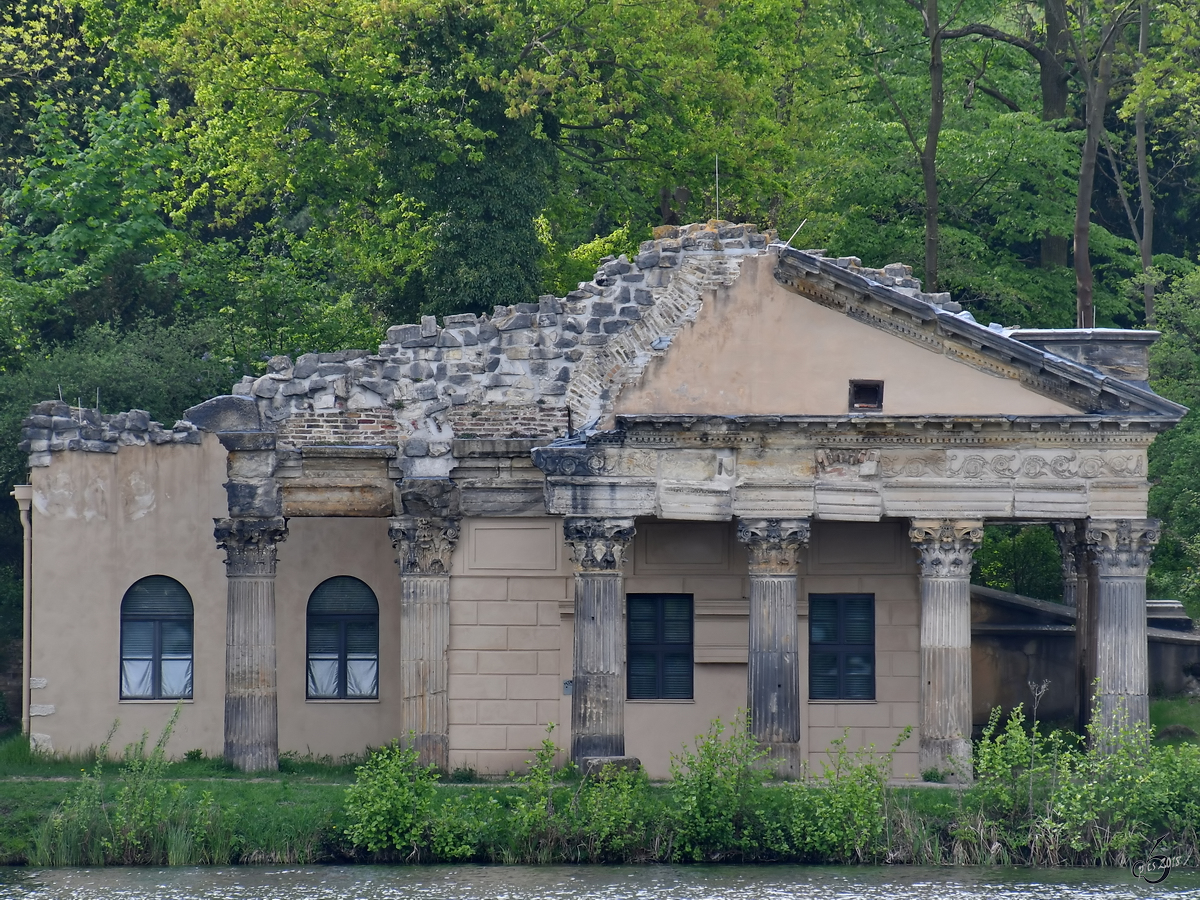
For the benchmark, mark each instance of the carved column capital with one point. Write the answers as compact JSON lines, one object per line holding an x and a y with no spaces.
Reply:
{"x":598,"y":545}
{"x":774,"y":544}
{"x":1122,"y":547}
{"x":946,"y":546}
{"x":423,"y":545}
{"x":250,"y":543}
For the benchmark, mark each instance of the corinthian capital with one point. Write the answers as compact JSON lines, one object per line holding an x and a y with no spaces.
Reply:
{"x":423,"y":545}
{"x":250,"y":543}
{"x":946,"y":546}
{"x":1122,"y":546}
{"x":774,"y":544}
{"x":598,"y":545}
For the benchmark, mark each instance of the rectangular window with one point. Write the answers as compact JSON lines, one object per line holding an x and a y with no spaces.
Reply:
{"x":841,"y":646}
{"x":659,"y":648}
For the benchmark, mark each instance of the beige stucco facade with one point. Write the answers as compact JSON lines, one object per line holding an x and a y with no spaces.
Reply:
{"x":508,"y":486}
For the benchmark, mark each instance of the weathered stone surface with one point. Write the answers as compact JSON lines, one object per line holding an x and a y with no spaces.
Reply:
{"x":225,"y":414}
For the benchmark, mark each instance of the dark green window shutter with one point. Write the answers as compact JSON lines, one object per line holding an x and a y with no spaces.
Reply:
{"x":659,"y":649}
{"x":841,"y":653}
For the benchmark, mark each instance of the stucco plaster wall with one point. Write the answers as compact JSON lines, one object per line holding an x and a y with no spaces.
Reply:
{"x":751,"y":351}
{"x":100,"y":522}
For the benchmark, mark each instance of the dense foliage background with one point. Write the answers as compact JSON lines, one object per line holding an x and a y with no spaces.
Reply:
{"x":188,"y":186}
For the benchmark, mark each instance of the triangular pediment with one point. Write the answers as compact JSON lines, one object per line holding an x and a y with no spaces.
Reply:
{"x":760,"y":347}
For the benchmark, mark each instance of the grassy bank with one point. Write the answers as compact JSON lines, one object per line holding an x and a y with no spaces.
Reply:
{"x":1038,"y":798}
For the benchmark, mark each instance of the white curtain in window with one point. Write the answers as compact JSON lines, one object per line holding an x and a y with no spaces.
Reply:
{"x":362,"y":676}
{"x":137,"y":678}
{"x":322,"y":675}
{"x":177,"y":676}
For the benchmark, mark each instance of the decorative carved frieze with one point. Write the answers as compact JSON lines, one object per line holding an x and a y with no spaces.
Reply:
{"x":847,"y":462}
{"x":250,"y":543}
{"x":423,"y":545}
{"x":598,"y":545}
{"x":1122,"y":547}
{"x":946,"y":546}
{"x":774,"y":544}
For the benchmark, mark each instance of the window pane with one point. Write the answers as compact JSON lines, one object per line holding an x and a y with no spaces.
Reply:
{"x":362,"y":677}
{"x":362,"y":638}
{"x":643,"y":620}
{"x":822,"y":619}
{"x":137,"y":639}
{"x":322,"y":676}
{"x":677,"y":620}
{"x":859,"y":619}
{"x":643,"y":676}
{"x":823,"y":676}
{"x":343,"y":596}
{"x":176,"y":677}
{"x":137,"y":678}
{"x":860,"y":676}
{"x":176,"y":638}
{"x":324,"y":637}
{"x":677,"y":676}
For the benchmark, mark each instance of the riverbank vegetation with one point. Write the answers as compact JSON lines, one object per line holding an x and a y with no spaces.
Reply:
{"x":1039,"y":798}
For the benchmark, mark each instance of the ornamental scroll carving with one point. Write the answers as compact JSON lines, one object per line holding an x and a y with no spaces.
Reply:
{"x":774,"y":544}
{"x":598,"y":545}
{"x":423,"y":545}
{"x":249,"y":544}
{"x":1007,"y":465}
{"x":1122,"y":547}
{"x":946,"y":546}
{"x":586,"y":462}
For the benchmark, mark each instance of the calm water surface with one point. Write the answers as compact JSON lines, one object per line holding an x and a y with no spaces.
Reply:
{"x":584,"y":883}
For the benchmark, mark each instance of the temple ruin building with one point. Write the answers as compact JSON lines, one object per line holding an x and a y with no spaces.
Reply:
{"x":726,"y":474}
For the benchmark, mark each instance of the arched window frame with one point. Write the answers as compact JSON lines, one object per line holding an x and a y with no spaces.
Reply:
{"x":356,"y":676}
{"x":170,"y":650}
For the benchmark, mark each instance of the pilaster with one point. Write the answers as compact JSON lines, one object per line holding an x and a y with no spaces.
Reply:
{"x":773,"y":670}
{"x":423,"y":549}
{"x":1120,"y":551}
{"x":598,"y":548}
{"x":251,"y":703}
{"x":946,"y":549}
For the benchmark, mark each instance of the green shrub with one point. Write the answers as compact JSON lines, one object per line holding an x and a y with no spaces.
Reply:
{"x":715,"y":792}
{"x":390,"y":803}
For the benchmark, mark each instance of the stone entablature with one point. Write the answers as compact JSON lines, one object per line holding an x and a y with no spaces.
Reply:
{"x":713,"y":469}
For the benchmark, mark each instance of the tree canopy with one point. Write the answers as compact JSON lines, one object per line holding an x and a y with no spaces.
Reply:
{"x":240,"y":178}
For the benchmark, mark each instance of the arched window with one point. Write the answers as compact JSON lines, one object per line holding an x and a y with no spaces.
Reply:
{"x":156,"y":640}
{"x":343,"y":641}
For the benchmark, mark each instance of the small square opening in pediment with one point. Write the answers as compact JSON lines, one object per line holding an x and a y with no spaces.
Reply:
{"x":866,"y":395}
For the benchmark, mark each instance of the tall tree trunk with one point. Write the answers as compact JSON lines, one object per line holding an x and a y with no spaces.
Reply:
{"x":1147,"y":200}
{"x":937,"y":102}
{"x":1054,"y":82}
{"x":1097,"y":100}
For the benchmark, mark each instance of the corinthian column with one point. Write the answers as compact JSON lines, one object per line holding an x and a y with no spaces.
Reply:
{"x":251,"y":704}
{"x":946,"y":548}
{"x":773,"y":671}
{"x":598,"y":693}
{"x":1121,"y":550}
{"x":1068,"y":548}
{"x":423,"y":548}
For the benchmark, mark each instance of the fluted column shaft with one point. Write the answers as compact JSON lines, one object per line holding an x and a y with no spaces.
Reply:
{"x":423,"y":549}
{"x":946,"y":548}
{"x":598,"y":547}
{"x":1121,"y":551}
{"x":251,"y":702}
{"x":773,"y":660}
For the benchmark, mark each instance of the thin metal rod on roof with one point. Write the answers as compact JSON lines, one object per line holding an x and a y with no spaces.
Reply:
{"x":717,"y":168}
{"x":796,"y":232}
